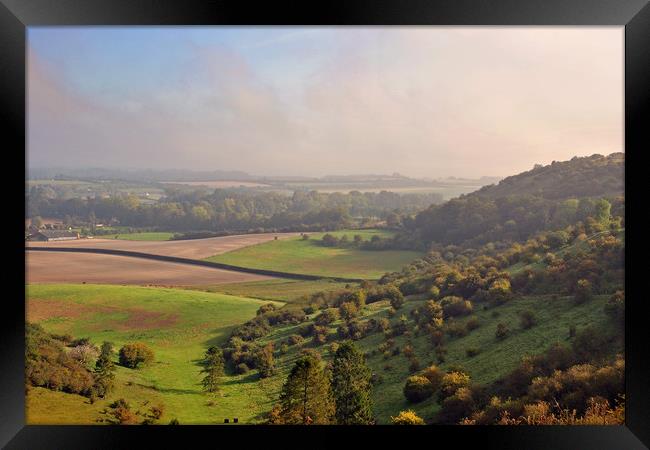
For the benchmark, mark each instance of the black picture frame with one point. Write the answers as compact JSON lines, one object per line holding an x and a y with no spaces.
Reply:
{"x":17,"y":15}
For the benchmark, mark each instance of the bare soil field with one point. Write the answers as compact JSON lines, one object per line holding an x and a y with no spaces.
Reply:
{"x":55,"y":267}
{"x":219,"y":183}
{"x":191,"y":248}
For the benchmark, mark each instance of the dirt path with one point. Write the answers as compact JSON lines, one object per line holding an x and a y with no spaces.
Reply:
{"x":191,"y":248}
{"x":54,"y":267}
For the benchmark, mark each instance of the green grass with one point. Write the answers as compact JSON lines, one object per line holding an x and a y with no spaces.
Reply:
{"x":144,"y":236}
{"x":177,"y":324}
{"x":290,"y":291}
{"x":496,"y":358}
{"x":309,"y":257}
{"x":205,"y":318}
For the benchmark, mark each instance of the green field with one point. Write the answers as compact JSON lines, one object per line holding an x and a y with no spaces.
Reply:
{"x":189,"y":321}
{"x":309,"y":257}
{"x":177,"y":324}
{"x":144,"y":236}
{"x":290,"y":291}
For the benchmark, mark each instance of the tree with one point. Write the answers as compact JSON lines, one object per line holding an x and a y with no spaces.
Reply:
{"x":583,"y":291}
{"x":351,"y":386}
{"x":417,"y":389}
{"x":348,"y":311}
{"x":213,"y":369}
{"x":136,"y":354}
{"x":104,"y":371}
{"x":264,"y":361}
{"x":407,"y":417}
{"x":37,"y":222}
{"x":306,"y":396}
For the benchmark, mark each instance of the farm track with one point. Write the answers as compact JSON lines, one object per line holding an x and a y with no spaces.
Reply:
{"x":188,"y":261}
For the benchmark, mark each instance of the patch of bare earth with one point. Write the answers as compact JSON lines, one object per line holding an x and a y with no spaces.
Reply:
{"x":137,"y":319}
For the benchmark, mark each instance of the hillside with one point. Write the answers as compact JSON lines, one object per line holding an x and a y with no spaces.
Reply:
{"x":545,"y":198}
{"x":589,"y":176}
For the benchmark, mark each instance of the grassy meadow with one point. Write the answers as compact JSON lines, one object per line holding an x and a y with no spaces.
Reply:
{"x":178,"y":325}
{"x":283,"y":290}
{"x":310,"y":257}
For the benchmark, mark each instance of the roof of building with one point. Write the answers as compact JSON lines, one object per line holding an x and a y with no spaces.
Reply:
{"x":51,"y":234}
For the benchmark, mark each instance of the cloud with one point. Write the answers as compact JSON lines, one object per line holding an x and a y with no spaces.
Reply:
{"x":423,"y":101}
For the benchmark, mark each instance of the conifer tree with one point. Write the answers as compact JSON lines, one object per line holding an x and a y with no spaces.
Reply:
{"x":213,"y":369}
{"x":104,"y":371}
{"x":306,"y":396}
{"x":351,"y":386}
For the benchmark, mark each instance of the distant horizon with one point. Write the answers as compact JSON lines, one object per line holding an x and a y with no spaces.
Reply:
{"x":426,"y":102}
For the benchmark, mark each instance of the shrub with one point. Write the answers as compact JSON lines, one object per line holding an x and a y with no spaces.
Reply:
{"x":417,"y":389}
{"x":157,"y":411}
{"x":457,"y":406}
{"x":456,"y":329}
{"x":472,"y":351}
{"x":472,"y":324}
{"x":295,"y":339}
{"x":434,"y":375}
{"x":502,"y":331}
{"x":414,"y":365}
{"x":583,"y":292}
{"x":135,"y":355}
{"x":326,"y":317}
{"x":615,"y":307}
{"x":407,"y":417}
{"x":266,"y":308}
{"x":242,"y":368}
{"x":397,"y":302}
{"x":451,"y":382}
{"x":455,"y":306}
{"x":527,"y":319}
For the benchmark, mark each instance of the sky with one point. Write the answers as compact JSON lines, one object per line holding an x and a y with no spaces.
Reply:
{"x":313,"y":101}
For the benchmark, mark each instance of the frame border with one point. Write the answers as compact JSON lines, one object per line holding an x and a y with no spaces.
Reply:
{"x":634,"y":15}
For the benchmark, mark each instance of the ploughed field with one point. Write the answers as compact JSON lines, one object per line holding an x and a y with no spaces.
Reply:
{"x":190,"y":248}
{"x":295,"y":255}
{"x":55,"y":267}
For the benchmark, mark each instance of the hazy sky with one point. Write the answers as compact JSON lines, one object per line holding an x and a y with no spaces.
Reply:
{"x":422,"y":101}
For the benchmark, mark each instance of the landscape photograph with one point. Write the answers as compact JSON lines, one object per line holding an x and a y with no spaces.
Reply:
{"x":325,"y":226}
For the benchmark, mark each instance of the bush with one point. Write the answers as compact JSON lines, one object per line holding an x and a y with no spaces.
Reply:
{"x":326,"y":317}
{"x":407,"y":417}
{"x":457,"y":406}
{"x":456,"y":329}
{"x":417,"y":389}
{"x":615,"y":307}
{"x":434,"y":375}
{"x":472,"y":324}
{"x":295,"y":339}
{"x":451,"y":382}
{"x":242,"y":368}
{"x":472,"y":351}
{"x":414,"y":365}
{"x":135,"y":355}
{"x":583,"y":292}
{"x":502,"y":331}
{"x":455,"y":306}
{"x":527,"y":319}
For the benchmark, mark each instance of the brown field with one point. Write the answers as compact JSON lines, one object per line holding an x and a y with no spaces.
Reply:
{"x":137,"y":318}
{"x":191,"y":248}
{"x":219,"y":183}
{"x":46,"y":267}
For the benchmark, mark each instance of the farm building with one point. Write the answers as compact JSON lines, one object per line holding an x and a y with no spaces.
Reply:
{"x":55,"y":235}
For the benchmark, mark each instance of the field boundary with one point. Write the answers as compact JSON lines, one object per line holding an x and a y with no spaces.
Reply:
{"x":194,"y":262}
